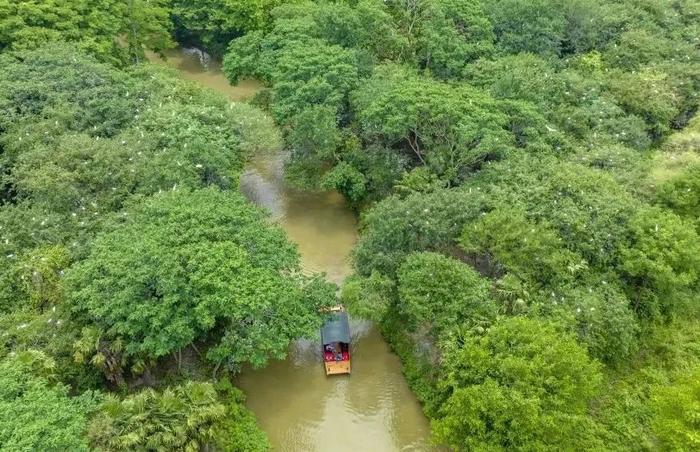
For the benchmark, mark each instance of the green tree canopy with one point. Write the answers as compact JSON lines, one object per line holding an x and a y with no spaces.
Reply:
{"x":528,"y":250}
{"x":117,"y":32}
{"x":682,"y":193}
{"x":520,"y":386}
{"x":184,"y":264}
{"x":553,"y":28}
{"x":676,"y":409}
{"x":420,"y":222}
{"x":213,"y":23}
{"x":80,"y":139}
{"x":450,"y":128}
{"x":442,"y":293}
{"x":191,"y":416}
{"x":36,"y":412}
{"x":451,"y":34}
{"x":660,"y":262}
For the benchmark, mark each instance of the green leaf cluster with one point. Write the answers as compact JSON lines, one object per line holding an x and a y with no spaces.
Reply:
{"x":123,"y":242}
{"x":117,"y":32}
{"x":36,"y":411}
{"x":192,"y":416}
{"x":185,"y":265}
{"x":520,"y":386}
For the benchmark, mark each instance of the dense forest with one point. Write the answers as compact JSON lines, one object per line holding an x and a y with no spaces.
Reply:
{"x":526,"y":174}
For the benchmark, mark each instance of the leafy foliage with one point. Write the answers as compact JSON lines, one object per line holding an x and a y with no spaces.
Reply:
{"x":213,"y":23}
{"x":191,"y":416}
{"x":420,"y":222}
{"x":529,"y":202}
{"x":82,"y":138}
{"x":240,"y":431}
{"x":36,"y":279}
{"x":556,"y":28}
{"x":451,"y":34}
{"x":184,"y":264}
{"x":93,"y":25}
{"x":529,"y":251}
{"x":92,"y":156}
{"x":520,"y":385}
{"x":437,"y":290}
{"x":661,"y":261}
{"x":555,"y":238}
{"x":450,"y":129}
{"x":36,"y":412}
{"x":542,"y":78}
{"x":676,"y":408}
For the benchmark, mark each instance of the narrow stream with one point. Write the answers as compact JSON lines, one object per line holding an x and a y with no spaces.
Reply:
{"x":320,"y":223}
{"x":296,"y":404}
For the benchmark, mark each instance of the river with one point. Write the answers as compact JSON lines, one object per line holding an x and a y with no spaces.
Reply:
{"x":296,"y":404}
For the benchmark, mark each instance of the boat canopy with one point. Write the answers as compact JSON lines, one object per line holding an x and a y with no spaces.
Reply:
{"x":336,"y":329}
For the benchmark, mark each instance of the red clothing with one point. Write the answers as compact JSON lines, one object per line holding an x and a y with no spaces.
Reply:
{"x":329,"y":356}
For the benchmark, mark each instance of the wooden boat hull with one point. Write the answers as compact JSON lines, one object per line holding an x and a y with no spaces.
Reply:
{"x":338,"y":367}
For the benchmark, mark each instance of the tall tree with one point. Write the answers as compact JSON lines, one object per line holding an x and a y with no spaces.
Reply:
{"x":184,"y":265}
{"x":520,"y":386}
{"x":214,"y":23}
{"x":660,"y":262}
{"x":452,"y":129}
{"x":441,"y":294}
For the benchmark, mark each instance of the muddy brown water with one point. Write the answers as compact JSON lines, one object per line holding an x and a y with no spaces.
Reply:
{"x":191,"y":67}
{"x":295,"y":403}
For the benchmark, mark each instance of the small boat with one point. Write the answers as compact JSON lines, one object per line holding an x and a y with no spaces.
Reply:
{"x":335,"y":338}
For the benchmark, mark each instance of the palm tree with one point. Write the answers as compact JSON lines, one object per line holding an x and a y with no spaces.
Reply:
{"x":185,"y":417}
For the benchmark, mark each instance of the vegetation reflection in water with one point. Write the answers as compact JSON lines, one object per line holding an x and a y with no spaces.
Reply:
{"x":297,"y":405}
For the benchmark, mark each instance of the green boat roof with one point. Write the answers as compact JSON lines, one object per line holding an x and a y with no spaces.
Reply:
{"x":336,"y":328}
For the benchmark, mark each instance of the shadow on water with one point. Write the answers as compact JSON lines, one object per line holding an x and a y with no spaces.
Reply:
{"x":297,"y":405}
